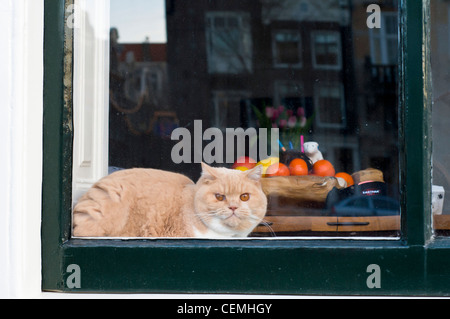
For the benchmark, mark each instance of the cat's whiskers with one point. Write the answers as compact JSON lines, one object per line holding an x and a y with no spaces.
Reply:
{"x":264,"y":223}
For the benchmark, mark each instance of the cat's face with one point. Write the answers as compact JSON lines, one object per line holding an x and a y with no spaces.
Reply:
{"x":230,"y":202}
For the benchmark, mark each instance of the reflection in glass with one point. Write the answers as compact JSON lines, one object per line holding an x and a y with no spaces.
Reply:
{"x":312,"y":69}
{"x":327,"y":49}
{"x":440,"y":61}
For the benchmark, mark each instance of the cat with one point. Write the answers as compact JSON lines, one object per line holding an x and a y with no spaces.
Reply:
{"x":224,"y":203}
{"x":312,"y":151}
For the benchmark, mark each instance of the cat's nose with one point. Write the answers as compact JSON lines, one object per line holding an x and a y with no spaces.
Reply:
{"x":233,"y":208}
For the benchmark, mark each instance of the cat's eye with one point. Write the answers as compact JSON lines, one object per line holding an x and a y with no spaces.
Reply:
{"x":245,"y":197}
{"x":220,"y":197}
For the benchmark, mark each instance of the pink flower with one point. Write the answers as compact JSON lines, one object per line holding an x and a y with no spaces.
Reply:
{"x":292,"y":121}
{"x":274,"y":125}
{"x":269,"y":111}
{"x":283,"y":123}
{"x":301,"y":112}
{"x":302,"y":121}
{"x":281,"y":108}
{"x":276,"y":113}
{"x":290,"y":112}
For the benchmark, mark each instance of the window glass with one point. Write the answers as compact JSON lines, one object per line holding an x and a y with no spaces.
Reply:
{"x":306,"y":91}
{"x":287,"y":48}
{"x":440,"y":60}
{"x":229,"y":42}
{"x":327,"y":49}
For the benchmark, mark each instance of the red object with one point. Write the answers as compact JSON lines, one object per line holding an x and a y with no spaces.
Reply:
{"x":244,"y":161}
{"x":277,"y":169}
{"x":298,"y":167}
{"x":323,"y":168}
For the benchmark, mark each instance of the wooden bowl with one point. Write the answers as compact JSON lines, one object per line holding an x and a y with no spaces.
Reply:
{"x":307,"y":188}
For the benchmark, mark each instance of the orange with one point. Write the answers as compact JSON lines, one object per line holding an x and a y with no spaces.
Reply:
{"x":323,"y":168}
{"x":277,"y":169}
{"x":347,"y":177}
{"x":298,"y":167}
{"x":241,"y":168}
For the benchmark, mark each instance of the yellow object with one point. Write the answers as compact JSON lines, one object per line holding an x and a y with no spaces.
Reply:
{"x":267,"y":162}
{"x":242,"y":168}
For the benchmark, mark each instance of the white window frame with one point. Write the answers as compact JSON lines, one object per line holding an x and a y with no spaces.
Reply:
{"x":90,"y":94}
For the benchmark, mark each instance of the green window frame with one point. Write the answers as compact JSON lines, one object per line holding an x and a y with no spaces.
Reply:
{"x":417,"y":264}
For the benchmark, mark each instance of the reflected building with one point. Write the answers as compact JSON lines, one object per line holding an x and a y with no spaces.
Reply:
{"x":140,"y":120}
{"x":376,"y":61}
{"x":228,"y":57}
{"x":440,"y":58}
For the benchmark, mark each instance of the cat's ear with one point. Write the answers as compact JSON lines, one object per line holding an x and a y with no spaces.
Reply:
{"x":255,"y":173}
{"x":208,"y":172}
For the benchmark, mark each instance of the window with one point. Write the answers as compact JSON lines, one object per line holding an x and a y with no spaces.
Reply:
{"x":384,"y":40}
{"x":226,"y":104}
{"x":229,"y":45}
{"x":411,"y":262}
{"x":326,"y":50}
{"x":169,"y":112}
{"x":330,"y":105}
{"x":287,"y":49}
{"x":290,"y":94}
{"x":440,"y":14}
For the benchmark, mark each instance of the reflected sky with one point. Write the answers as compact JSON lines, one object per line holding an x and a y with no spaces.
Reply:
{"x":138,"y":19}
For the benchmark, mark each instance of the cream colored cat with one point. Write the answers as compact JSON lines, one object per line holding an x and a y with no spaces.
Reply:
{"x":224,"y":203}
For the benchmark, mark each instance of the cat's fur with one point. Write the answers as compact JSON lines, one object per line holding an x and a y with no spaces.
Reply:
{"x":155,"y":203}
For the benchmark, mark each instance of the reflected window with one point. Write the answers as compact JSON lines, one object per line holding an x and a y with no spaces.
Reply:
{"x":327,"y":50}
{"x":440,"y":62}
{"x":226,"y":105}
{"x":290,"y":94}
{"x":330,"y":105}
{"x":229,"y":44}
{"x":287,"y":49}
{"x":384,"y":40}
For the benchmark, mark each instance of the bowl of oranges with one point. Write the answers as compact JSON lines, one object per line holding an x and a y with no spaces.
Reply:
{"x":293,"y":175}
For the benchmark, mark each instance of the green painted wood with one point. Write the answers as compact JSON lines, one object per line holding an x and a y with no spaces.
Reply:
{"x":53,"y":151}
{"x":416,"y":172}
{"x":326,"y":268}
{"x":410,"y":266}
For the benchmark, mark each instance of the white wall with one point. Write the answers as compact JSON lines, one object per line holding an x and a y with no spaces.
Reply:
{"x":21,"y":83}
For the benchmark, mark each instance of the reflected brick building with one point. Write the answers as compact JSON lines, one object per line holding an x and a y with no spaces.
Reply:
{"x":225,"y":56}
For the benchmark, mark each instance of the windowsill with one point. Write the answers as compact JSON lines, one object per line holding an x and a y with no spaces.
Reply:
{"x":285,"y":66}
{"x":338,"y":243}
{"x":439,"y":242}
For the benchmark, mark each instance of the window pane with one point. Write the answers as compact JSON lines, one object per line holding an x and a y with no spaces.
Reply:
{"x":440,"y":62}
{"x":306,"y":84}
{"x":287,"y":48}
{"x":327,"y":49}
